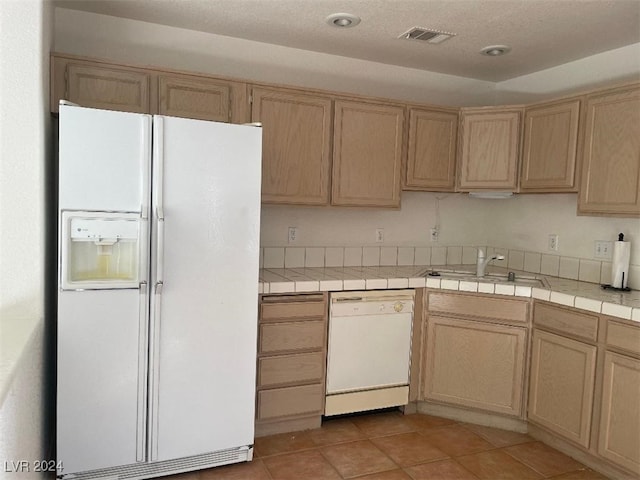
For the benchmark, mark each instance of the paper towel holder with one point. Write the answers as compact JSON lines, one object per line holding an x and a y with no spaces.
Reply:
{"x":622,"y":288}
{"x":611,"y":287}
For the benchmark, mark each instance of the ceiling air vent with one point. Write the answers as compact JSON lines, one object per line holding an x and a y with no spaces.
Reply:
{"x":429,"y":36}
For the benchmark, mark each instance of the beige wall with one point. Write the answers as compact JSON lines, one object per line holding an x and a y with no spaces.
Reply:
{"x":25,"y":365}
{"x":621,"y":64}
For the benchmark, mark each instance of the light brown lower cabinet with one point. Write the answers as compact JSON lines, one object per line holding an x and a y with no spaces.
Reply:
{"x":562,"y":385}
{"x":292,"y":337}
{"x":619,"y":439}
{"x":475,"y":364}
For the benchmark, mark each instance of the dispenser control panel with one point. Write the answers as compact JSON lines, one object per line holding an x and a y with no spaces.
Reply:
{"x":100,"y":250}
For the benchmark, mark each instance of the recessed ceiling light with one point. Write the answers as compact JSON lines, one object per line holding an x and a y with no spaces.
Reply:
{"x":342,"y":20}
{"x":495,"y":50}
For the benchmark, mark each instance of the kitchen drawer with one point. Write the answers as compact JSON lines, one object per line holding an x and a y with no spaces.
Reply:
{"x":281,"y":402}
{"x":570,"y":322}
{"x":623,"y":336}
{"x":489,"y":308}
{"x":277,"y":312}
{"x":301,"y":368}
{"x":291,"y":336}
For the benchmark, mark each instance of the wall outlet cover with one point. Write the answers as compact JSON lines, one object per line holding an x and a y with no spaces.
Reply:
{"x":293,"y":234}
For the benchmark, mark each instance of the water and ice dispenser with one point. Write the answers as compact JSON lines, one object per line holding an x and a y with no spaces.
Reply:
{"x":100,"y":250}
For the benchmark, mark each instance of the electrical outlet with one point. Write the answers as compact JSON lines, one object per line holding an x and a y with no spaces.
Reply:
{"x":434,"y":234}
{"x":553,"y":242}
{"x":602,"y":249}
{"x":293,"y":234}
{"x":379,"y":235}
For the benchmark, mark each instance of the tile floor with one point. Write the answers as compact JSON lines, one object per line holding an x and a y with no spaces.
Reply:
{"x":391,"y":446}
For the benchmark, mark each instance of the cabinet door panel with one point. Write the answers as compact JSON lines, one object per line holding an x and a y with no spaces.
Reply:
{"x":611,"y":156}
{"x":296,"y":140}
{"x":550,"y":144}
{"x":108,"y":88}
{"x":489,"y":152}
{"x":620,"y":416}
{"x":561,"y":385}
{"x":431,"y":158}
{"x":475,"y":364}
{"x":367,"y":154}
{"x":189,"y":97}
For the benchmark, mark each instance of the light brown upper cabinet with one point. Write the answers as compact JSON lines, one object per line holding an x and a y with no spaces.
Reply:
{"x":193,"y":97}
{"x":431,"y":156}
{"x":550,"y":144}
{"x":489,"y":142}
{"x":610,"y":183}
{"x":107,"y":87}
{"x":296,"y":146}
{"x":367,"y":154}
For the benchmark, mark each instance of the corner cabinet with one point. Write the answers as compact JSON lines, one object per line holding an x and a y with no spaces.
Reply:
{"x":431,"y":155}
{"x":292,"y":338}
{"x":550,"y":147}
{"x":475,"y":352}
{"x":367,"y":154}
{"x":611,"y":156}
{"x":296,"y":146}
{"x":489,"y":148}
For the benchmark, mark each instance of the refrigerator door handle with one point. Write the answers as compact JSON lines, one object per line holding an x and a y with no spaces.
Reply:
{"x":143,"y":356}
{"x":160,"y":246}
{"x":154,"y":372}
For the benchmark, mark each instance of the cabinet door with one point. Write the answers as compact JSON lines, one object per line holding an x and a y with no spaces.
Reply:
{"x":189,"y":97}
{"x":431,"y":158}
{"x":620,"y":415}
{"x":489,"y":150}
{"x":475,"y":364}
{"x":367,"y":154}
{"x":550,"y":143}
{"x":296,"y":146}
{"x":108,"y":88}
{"x":611,"y":155}
{"x":561,"y":385}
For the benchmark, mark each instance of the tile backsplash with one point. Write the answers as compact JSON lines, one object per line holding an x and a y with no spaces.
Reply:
{"x":586,"y":270}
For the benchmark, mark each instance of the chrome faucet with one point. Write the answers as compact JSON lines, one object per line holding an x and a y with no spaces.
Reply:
{"x":483,"y":261}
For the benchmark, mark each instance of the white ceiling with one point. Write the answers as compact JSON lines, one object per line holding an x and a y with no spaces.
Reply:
{"x":541,"y":33}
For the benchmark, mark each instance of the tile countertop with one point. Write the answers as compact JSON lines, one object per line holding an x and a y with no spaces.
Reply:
{"x":571,"y":293}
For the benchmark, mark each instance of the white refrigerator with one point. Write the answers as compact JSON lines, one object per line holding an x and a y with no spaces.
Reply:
{"x":159,"y":222}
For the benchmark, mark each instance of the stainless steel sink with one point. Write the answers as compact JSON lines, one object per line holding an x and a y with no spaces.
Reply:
{"x":488,"y":278}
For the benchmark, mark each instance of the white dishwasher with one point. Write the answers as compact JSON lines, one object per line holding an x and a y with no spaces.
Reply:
{"x":369,"y":351}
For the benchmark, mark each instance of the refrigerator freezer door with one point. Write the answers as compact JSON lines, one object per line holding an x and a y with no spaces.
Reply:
{"x":105,"y":158}
{"x":100,"y":377}
{"x":204,"y":324}
{"x":102,"y":344}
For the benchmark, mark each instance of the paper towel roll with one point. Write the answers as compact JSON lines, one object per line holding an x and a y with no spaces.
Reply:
{"x":620,"y":264}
